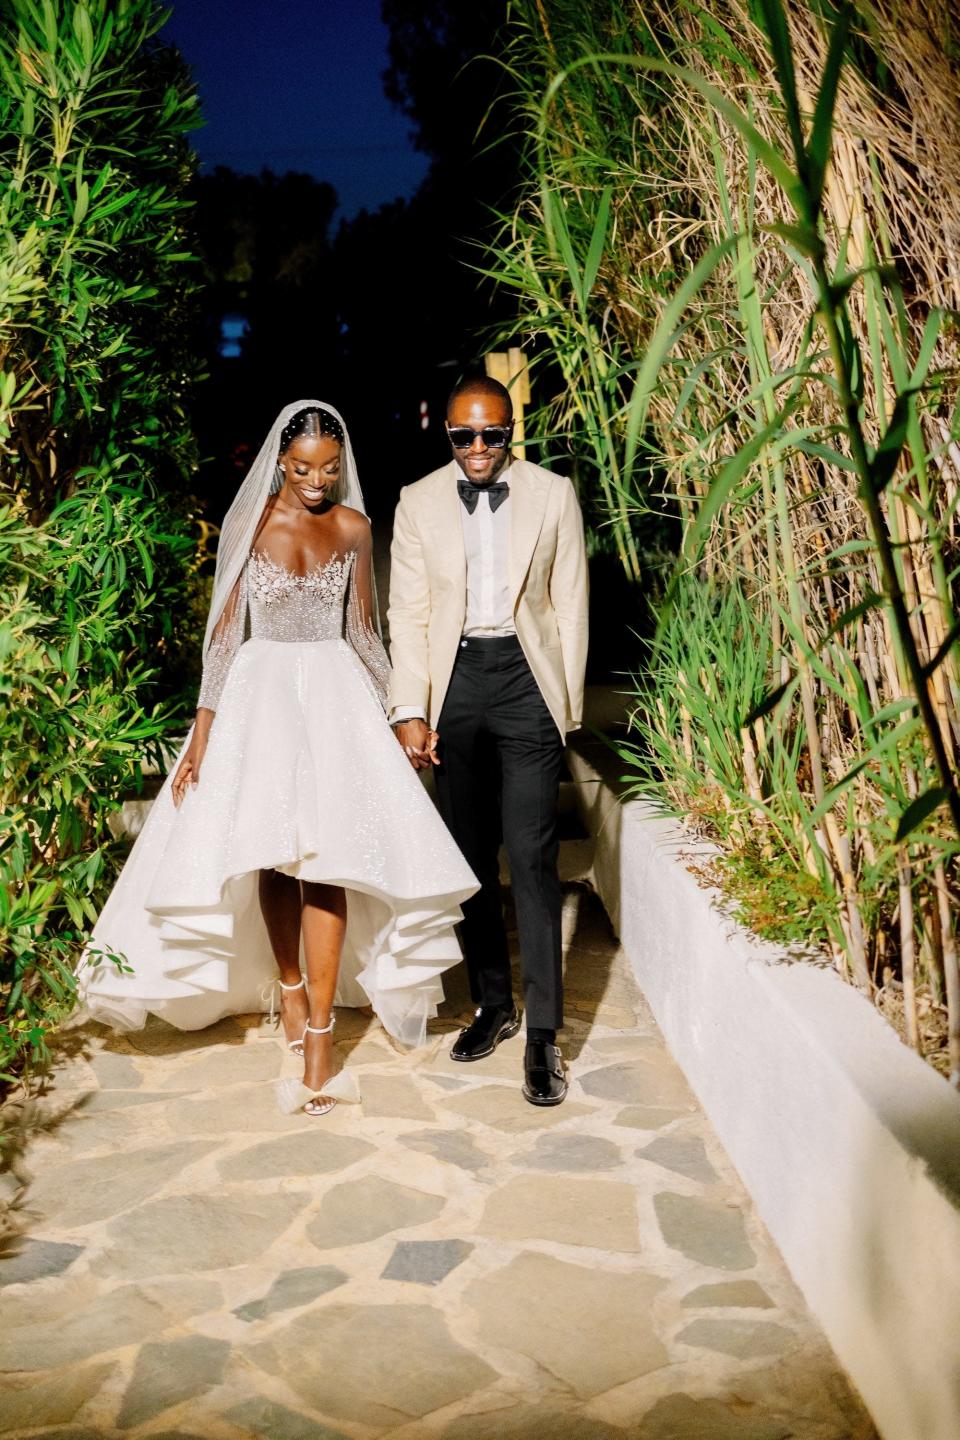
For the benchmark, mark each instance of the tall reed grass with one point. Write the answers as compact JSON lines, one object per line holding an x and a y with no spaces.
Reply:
{"x":734,"y":254}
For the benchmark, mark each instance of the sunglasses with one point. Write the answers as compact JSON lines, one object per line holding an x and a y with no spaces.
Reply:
{"x":494,"y":437}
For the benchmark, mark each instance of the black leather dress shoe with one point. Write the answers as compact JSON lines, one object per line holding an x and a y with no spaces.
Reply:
{"x":484,"y":1034}
{"x":545,"y":1076}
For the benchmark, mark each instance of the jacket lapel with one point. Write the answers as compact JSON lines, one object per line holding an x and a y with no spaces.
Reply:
{"x":447,"y":530}
{"x":528,"y":502}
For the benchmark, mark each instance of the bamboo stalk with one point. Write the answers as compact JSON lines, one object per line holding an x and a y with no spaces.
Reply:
{"x":908,"y":952}
{"x":951,"y":971}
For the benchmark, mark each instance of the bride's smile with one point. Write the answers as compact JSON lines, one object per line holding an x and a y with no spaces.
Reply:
{"x":311,"y":469}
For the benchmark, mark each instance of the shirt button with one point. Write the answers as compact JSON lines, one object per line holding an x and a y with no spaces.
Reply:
{"x":463,"y":644}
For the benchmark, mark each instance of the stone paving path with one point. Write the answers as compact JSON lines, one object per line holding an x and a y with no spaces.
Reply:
{"x":443,"y":1261}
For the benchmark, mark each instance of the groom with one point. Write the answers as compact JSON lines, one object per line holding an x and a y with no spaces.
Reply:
{"x":488,"y":640}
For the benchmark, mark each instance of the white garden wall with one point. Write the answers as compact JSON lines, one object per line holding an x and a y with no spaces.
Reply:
{"x":847,"y":1141}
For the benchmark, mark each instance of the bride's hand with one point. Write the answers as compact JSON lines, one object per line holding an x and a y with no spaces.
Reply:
{"x":418,"y":742}
{"x":188,"y":771}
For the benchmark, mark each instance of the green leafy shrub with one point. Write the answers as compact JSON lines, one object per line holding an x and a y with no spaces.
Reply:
{"x":95,"y":458}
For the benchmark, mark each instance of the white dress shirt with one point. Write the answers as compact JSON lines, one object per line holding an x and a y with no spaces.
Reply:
{"x":486,"y":546}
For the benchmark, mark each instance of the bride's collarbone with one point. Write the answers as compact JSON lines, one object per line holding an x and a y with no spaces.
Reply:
{"x":302,"y":544}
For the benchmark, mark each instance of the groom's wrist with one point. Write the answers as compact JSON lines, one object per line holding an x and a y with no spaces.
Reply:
{"x":400,"y":713}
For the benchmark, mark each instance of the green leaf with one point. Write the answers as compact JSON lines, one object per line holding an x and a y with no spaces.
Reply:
{"x":778,"y":34}
{"x":598,"y":241}
{"x":850,"y":616}
{"x":769,"y":702}
{"x":886,"y":457}
{"x":818,"y":146}
{"x":943,"y":650}
{"x":918,"y":810}
{"x":660,"y":344}
{"x":802,"y":237}
{"x":726,"y":482}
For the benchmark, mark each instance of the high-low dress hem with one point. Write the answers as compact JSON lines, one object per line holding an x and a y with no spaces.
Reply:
{"x":301,"y":775}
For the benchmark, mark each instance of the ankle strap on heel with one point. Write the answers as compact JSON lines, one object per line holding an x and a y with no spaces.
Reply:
{"x":322,"y":1029}
{"x":299,"y":985}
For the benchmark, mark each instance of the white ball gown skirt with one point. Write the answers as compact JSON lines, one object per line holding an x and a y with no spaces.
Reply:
{"x":303,"y":775}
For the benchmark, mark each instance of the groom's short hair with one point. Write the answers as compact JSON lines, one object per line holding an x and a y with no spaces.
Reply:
{"x":480,"y":385}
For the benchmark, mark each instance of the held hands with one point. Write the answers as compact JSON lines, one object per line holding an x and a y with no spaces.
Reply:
{"x":188,"y":771}
{"x":419,"y":743}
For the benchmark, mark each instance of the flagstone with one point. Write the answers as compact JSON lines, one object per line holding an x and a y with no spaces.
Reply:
{"x":704,"y":1230}
{"x":615,"y":1017}
{"x":425,"y":1262}
{"x":50,"y":1399}
{"x":61,"y":1434}
{"x":506,"y":1062}
{"x":640,"y":1082}
{"x":625,"y":1047}
{"x":312,"y":1152}
{"x":360,"y":1210}
{"x":382,"y":1364}
{"x":36,"y":1259}
{"x":504,"y":1108}
{"x":259,"y":1061}
{"x":744,"y":1339}
{"x":646,"y":1117}
{"x":105,"y":1100}
{"x":583,"y":1153}
{"x":207,"y":1231}
{"x":249,"y":1108}
{"x":541,"y":1274}
{"x":167,"y":1372}
{"x":743,"y":1294}
{"x":372,"y":1049}
{"x":681,"y":1417}
{"x":453,"y":1147}
{"x":293,"y":1288}
{"x":393,"y":1097}
{"x":532,"y":1422}
{"x":114,"y":1130}
{"x":597,"y":1213}
{"x":685,"y":1154}
{"x":159,"y":1038}
{"x":115,"y":1072}
{"x":276,"y":1422}
{"x":546,"y":1309}
{"x":447,"y":1082}
{"x":41,"y":1336}
{"x":81,"y":1191}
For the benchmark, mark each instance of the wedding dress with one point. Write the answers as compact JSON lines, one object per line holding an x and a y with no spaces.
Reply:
{"x":303,"y":775}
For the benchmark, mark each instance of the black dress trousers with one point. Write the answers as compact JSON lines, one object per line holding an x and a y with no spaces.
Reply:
{"x":500,"y":754}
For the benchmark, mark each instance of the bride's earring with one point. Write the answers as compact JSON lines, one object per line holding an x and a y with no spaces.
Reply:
{"x":278,"y":478}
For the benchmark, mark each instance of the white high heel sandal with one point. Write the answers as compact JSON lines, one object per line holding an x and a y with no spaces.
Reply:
{"x":291,"y":1094}
{"x":294,"y":1046}
{"x":318,"y":1106}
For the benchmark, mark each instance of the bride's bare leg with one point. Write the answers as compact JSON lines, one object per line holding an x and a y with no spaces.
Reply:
{"x":280,"y":903}
{"x":323,"y":918}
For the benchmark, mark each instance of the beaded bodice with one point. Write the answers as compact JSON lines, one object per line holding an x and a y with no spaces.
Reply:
{"x":291,"y":607}
{"x":333,"y":601}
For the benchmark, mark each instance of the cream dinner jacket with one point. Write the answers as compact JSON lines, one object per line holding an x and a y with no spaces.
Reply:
{"x":548,"y":580}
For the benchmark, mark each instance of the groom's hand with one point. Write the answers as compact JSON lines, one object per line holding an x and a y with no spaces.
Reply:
{"x":418,"y":742}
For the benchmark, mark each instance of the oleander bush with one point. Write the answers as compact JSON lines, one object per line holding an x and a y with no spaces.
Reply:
{"x":96,"y":452}
{"x":737,"y":249}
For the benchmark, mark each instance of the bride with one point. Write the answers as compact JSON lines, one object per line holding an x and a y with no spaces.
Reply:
{"x":293,"y":831}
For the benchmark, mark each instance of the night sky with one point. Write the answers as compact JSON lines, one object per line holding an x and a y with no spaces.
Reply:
{"x":296,"y":85}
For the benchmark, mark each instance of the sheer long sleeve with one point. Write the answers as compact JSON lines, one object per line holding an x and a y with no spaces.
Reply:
{"x":226,"y":641}
{"x":360,"y":630}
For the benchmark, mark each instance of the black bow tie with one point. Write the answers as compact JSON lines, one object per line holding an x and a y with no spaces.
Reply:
{"x":470,"y":494}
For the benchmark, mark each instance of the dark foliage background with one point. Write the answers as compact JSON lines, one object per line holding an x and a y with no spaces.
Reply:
{"x":381,"y":312}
